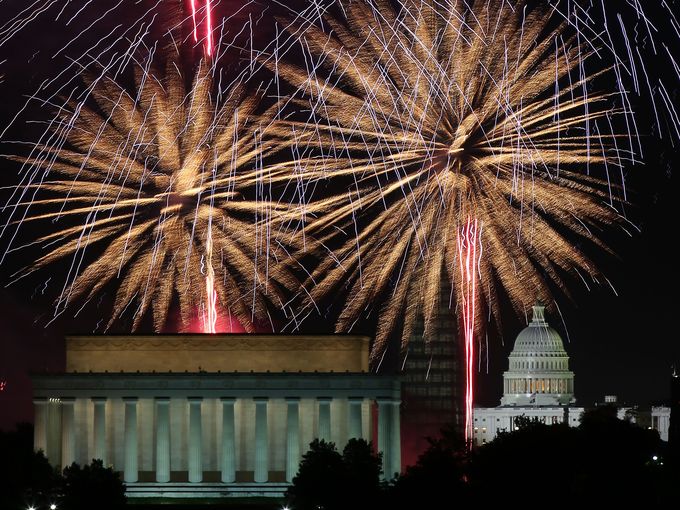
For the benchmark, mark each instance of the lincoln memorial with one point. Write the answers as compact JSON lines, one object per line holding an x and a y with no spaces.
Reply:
{"x":212,"y":415}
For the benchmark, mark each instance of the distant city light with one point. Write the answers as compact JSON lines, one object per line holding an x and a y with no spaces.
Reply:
{"x":655,"y":458}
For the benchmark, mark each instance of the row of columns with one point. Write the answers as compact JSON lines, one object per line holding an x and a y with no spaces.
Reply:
{"x":68,"y":438}
{"x":388,"y":435}
{"x":539,"y":385}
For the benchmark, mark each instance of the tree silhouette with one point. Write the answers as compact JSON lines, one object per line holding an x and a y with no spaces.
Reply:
{"x":437,"y":476}
{"x":92,"y":486}
{"x":604,"y":461}
{"x":26,"y":477}
{"x":329,"y":480}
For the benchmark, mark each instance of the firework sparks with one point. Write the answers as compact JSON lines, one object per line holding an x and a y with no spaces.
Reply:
{"x":436,"y":113}
{"x":150,"y":192}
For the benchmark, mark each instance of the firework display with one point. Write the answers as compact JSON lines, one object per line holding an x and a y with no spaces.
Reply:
{"x":429,"y":125}
{"x":154,"y":181}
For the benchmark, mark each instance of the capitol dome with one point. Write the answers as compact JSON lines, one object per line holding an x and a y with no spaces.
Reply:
{"x":538,"y":372}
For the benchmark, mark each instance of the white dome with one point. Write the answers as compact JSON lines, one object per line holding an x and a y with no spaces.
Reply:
{"x":538,"y":372}
{"x":538,"y":336}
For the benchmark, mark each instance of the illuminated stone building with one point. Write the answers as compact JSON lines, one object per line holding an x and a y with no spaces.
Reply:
{"x":538,"y":383}
{"x":212,"y":415}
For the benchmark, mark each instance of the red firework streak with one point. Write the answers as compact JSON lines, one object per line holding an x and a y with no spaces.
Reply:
{"x":210,"y":315}
{"x":210,"y":321}
{"x":208,"y":25}
{"x":468,"y":243}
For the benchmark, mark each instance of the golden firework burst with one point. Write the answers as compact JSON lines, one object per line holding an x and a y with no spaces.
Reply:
{"x":158,"y":190}
{"x":424,"y":117}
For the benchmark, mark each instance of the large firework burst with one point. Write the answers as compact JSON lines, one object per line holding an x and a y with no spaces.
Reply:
{"x":157,"y":189}
{"x":439,"y":113}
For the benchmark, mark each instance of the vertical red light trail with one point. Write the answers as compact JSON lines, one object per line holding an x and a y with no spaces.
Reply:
{"x":208,"y":25}
{"x":210,"y":316}
{"x":208,"y":21}
{"x":193,"y":17}
{"x":468,"y":242}
{"x":210,"y":313}
{"x":210,"y":322}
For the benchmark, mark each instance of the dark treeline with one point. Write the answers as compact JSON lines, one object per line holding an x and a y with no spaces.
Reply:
{"x":28,"y":481}
{"x":604,"y":462}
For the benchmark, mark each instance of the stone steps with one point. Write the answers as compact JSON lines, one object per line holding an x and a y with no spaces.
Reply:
{"x":206,"y":490}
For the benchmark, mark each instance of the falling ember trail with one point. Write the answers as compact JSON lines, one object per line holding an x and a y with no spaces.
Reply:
{"x":468,"y":241}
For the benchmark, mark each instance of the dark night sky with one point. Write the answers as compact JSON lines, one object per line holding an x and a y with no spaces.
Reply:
{"x":623,"y":345}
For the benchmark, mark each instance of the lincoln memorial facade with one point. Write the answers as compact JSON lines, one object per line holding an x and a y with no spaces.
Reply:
{"x":212,"y":415}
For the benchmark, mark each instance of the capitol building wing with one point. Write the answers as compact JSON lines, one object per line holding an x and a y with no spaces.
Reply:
{"x":212,"y":415}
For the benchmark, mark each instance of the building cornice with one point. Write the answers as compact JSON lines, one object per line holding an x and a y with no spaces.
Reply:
{"x":216,"y":385}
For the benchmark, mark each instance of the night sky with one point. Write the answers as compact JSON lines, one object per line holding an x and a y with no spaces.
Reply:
{"x":621,"y":344}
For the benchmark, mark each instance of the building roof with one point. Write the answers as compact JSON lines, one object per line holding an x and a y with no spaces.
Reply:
{"x":219,"y":352}
{"x":538,"y":337}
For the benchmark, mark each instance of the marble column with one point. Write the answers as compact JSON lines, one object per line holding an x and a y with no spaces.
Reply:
{"x":40,"y":424}
{"x":163,"y":439}
{"x":261,"y":440}
{"x":68,"y":431}
{"x":292,"y":437}
{"x":195,"y":433}
{"x":228,"y":440}
{"x":53,"y":452}
{"x":395,"y":437}
{"x":99,"y":429}
{"x":130,"y":471}
{"x":389,"y":436}
{"x":324,"y":418}
{"x":354,"y":428}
